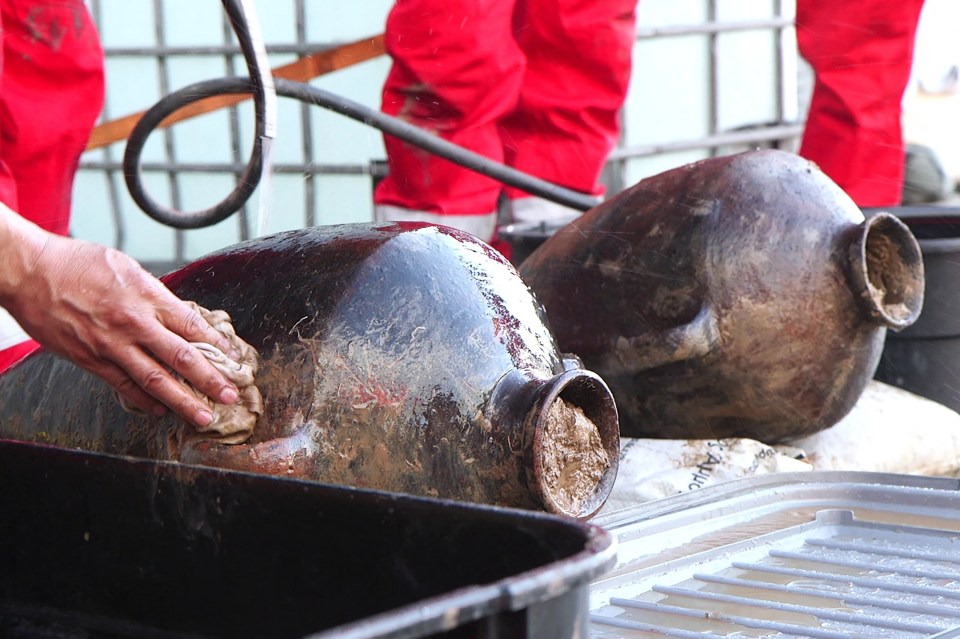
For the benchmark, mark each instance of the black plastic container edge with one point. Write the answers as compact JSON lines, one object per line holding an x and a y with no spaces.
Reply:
{"x":94,"y":545}
{"x":925,"y":358}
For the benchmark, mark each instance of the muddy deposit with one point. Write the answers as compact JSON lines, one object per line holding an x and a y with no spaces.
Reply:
{"x":571,"y":454}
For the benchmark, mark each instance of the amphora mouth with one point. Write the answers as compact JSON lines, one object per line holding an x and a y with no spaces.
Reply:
{"x":887,"y":271}
{"x":576,"y":444}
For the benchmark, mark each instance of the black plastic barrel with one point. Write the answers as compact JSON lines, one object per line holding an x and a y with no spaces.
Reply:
{"x":94,"y":546}
{"x":525,"y":238}
{"x":925,"y":357}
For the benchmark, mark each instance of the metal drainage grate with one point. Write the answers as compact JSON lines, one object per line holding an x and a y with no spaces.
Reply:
{"x":832,"y":578}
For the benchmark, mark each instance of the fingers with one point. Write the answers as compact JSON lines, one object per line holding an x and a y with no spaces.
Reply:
{"x":189,"y":324}
{"x":136,"y":358}
{"x":132,"y":393}
{"x":148,"y":385}
{"x":186,"y":360}
{"x":194,"y":367}
{"x":101,"y":309}
{"x":153,"y":389}
{"x":176,"y":324}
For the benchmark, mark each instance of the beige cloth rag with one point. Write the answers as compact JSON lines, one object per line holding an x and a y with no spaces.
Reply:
{"x":233,"y":423}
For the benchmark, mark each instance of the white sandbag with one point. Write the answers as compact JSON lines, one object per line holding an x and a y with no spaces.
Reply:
{"x":654,"y":468}
{"x":889,"y":430}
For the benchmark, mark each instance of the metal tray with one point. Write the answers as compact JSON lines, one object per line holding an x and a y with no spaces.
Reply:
{"x":94,"y":545}
{"x":828,"y":555}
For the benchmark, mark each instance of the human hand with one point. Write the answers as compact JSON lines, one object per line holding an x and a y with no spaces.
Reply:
{"x":99,"y":308}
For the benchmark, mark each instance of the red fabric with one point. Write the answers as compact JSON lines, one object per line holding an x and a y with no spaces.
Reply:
{"x":861,"y":52}
{"x":535,"y":83}
{"x":14,"y":354}
{"x":51,"y":93}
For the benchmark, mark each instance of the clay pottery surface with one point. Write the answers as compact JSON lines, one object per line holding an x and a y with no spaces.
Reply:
{"x":400,"y":357}
{"x":743,"y":295}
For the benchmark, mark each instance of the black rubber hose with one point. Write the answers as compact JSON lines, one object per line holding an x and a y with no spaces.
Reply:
{"x":436,"y":145}
{"x":313,"y":95}
{"x":260,"y":84}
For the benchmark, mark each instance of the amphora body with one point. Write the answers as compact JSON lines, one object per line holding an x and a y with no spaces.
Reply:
{"x":743,"y":295}
{"x":401,"y":357}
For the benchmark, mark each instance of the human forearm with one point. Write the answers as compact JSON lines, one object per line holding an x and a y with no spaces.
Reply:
{"x":99,"y":308}
{"x":21,"y":242}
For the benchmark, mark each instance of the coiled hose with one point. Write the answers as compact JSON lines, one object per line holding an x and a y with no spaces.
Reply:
{"x":264,"y":88}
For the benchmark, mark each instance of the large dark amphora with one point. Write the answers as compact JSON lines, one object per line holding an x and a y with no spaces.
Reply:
{"x":402,"y":357}
{"x":743,"y":295}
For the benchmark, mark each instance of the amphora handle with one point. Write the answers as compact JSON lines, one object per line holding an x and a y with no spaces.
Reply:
{"x":696,"y":338}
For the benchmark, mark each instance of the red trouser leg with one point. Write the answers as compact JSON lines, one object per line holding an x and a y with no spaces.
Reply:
{"x":861,"y":52}
{"x":51,"y":92}
{"x":456,"y":72}
{"x":14,"y":354}
{"x":50,"y":98}
{"x":578,"y":70}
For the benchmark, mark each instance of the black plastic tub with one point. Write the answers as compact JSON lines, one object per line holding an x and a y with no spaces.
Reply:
{"x":925,"y":357}
{"x":525,"y":238}
{"x":93,"y":546}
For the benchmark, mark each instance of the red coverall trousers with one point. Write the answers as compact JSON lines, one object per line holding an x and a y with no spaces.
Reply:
{"x":51,"y":93}
{"x":536,"y":84}
{"x":861,"y":52}
{"x":511,"y":80}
